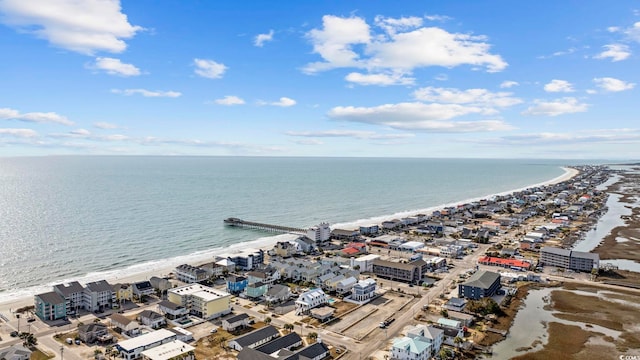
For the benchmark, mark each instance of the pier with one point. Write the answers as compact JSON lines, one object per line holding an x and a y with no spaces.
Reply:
{"x":264,"y":227}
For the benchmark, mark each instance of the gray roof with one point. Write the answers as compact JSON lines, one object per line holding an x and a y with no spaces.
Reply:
{"x":235,"y":278}
{"x":149,"y":314}
{"x":286,"y":341}
{"x":74,"y":287}
{"x":237,"y":318}
{"x":15,"y":351}
{"x":169,"y":305}
{"x":556,"y":251}
{"x":252,"y":354}
{"x":276,"y":289}
{"x":143,"y":285}
{"x":51,"y":298}
{"x":585,"y":255}
{"x":310,"y":351}
{"x":92,"y":328}
{"x":482,"y":279}
{"x":256,"y":336}
{"x":99,"y":286}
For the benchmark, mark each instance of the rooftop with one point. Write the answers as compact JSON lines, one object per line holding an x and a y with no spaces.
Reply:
{"x":482,"y":279}
{"x":167,"y":351}
{"x":204,"y":292}
{"x":146,"y":339}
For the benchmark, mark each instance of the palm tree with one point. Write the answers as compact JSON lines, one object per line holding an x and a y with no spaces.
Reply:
{"x":288,"y":327}
{"x":313,"y":336}
{"x":458,"y":340}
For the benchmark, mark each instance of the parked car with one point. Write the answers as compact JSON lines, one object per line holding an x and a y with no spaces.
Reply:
{"x":78,"y":342}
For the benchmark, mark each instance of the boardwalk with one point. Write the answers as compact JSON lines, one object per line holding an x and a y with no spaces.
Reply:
{"x":265,"y":227}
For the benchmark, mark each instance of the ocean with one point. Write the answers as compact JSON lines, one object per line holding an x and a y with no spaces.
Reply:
{"x":92,"y":217}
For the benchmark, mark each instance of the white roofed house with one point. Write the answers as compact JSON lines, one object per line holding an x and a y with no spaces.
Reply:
{"x":98,"y":296}
{"x":132,"y":348}
{"x":175,"y":349}
{"x":309,"y":300}
{"x":202,"y":301}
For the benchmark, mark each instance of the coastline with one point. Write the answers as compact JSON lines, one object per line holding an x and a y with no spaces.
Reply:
{"x":161,"y":267}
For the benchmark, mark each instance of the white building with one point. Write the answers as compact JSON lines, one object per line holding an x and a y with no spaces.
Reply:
{"x":202,"y":301}
{"x":171,"y":350}
{"x":319,"y":233}
{"x":363,"y":290}
{"x":309,"y":300}
{"x":364,"y":263}
{"x":412,"y":246}
{"x":421,"y":343}
{"x":190,"y":274}
{"x":133,"y":348}
{"x":345,"y":285}
{"x":98,"y":296}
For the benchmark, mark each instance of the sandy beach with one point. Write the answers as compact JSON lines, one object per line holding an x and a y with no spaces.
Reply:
{"x":7,"y":307}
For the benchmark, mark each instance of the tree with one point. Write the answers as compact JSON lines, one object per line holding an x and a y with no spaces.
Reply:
{"x":313,"y":336}
{"x":444,"y":313}
{"x":458,"y":340}
{"x":267,"y":320}
{"x":29,"y":340}
{"x":288,"y":327}
{"x":444,"y":353}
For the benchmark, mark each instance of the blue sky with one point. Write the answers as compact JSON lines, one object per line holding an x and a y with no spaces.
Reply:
{"x":495,"y":79}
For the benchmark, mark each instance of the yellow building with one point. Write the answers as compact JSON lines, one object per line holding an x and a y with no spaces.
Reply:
{"x":124,"y":292}
{"x":202,"y":301}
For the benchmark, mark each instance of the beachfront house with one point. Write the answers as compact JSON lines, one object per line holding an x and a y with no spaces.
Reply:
{"x":98,"y":296}
{"x":72,"y":295}
{"x":50,"y":306}
{"x":142,"y":288}
{"x":190,"y":274}
{"x":122,"y":292}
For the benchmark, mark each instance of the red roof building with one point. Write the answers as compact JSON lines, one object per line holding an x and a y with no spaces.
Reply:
{"x":507,"y":263}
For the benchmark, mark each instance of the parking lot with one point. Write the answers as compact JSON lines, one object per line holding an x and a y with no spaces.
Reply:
{"x":360,"y":322}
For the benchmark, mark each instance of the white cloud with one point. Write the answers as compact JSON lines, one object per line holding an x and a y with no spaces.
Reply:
{"x":612,"y":84}
{"x":334,"y":42}
{"x":418,"y":116}
{"x":478,"y":97}
{"x":402,"y":47}
{"x":36,"y":117}
{"x":209,"y":68}
{"x":105,"y":125}
{"x":558,"y":86}
{"x":556,"y":107}
{"x":147,"y":93}
{"x":283,"y":102}
{"x":559,"y":53}
{"x":617,"y":52}
{"x":633,"y":32}
{"x":509,"y":84}
{"x":603,"y":136}
{"x":441,"y":77}
{"x":441,"y":18}
{"x":229,"y":100}
{"x":21,"y":133}
{"x":260,"y":39}
{"x":85,"y":26}
{"x":349,"y":133}
{"x":380,"y":79}
{"x":115,"y":67}
{"x":393,"y":25}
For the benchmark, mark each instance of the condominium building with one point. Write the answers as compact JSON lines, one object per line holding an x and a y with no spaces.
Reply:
{"x":569,"y":259}
{"x":202,"y":301}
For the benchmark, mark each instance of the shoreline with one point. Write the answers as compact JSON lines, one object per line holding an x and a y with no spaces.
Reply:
{"x":143,"y":271}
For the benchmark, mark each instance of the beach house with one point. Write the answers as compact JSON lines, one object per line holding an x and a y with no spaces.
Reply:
{"x":309,"y":300}
{"x":98,"y":296}
{"x":72,"y":295}
{"x":50,"y":306}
